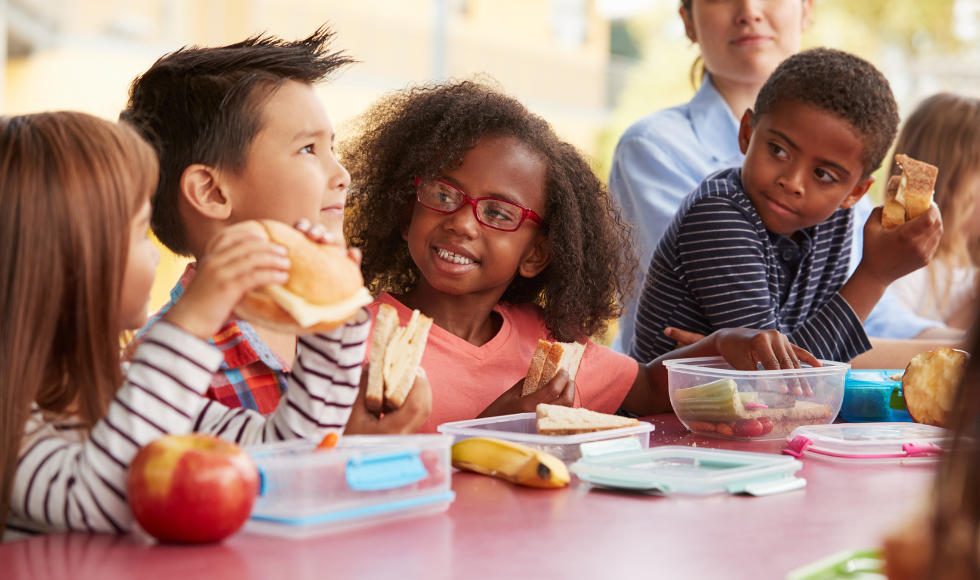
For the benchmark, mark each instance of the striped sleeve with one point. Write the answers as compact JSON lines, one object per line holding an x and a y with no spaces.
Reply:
{"x":63,"y":484}
{"x":322,"y":388}
{"x":723,"y":261}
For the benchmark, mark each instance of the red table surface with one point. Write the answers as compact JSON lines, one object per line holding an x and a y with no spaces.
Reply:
{"x":495,"y":529}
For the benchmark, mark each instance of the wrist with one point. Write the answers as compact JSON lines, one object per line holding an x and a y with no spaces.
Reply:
{"x":867,"y":275}
{"x":188,"y":324}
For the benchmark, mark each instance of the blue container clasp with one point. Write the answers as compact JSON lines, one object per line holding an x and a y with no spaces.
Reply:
{"x":385,"y":471}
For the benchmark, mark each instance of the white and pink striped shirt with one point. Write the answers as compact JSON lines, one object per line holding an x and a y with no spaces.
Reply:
{"x":68,"y":479}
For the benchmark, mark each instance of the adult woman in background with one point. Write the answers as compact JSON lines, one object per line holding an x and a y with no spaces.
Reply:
{"x":665,"y":155}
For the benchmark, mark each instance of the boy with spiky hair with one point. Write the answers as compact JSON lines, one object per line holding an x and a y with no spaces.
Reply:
{"x":241,"y":135}
{"x":767,"y":245}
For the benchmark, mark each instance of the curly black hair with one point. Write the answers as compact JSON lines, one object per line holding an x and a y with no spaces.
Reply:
{"x":841,"y":84}
{"x":422,"y":130}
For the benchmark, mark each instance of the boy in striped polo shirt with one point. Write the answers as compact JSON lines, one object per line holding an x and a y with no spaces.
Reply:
{"x":767,"y":245}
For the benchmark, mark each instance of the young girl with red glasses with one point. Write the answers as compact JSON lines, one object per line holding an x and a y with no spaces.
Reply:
{"x":469,"y":208}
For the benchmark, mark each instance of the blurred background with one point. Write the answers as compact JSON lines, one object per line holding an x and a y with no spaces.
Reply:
{"x":590,"y":67}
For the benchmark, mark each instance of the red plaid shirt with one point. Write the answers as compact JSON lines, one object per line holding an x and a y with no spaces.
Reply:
{"x":252,"y":375}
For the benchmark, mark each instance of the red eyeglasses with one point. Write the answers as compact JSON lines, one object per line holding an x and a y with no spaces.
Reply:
{"x":492,"y":212}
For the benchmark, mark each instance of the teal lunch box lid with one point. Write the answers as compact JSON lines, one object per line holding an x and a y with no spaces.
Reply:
{"x":685,"y":470}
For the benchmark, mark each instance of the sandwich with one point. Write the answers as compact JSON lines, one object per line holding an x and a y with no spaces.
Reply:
{"x":908,"y":195}
{"x":324,"y":290}
{"x":396,"y":352}
{"x":549,"y":358}
{"x":558,"y":420}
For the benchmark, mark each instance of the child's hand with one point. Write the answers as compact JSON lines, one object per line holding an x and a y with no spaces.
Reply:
{"x":238,"y":259}
{"x":683,"y":337}
{"x":746,"y":348}
{"x":891,"y":254}
{"x":320,"y":235}
{"x":559,"y":391}
{"x":404,"y":421}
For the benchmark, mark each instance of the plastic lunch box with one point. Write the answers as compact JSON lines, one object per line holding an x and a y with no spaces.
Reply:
{"x":622,"y":464}
{"x":364,"y":480}
{"x":761,"y":396}
{"x":872,"y":396}
{"x":523,"y":428}
{"x":870,"y":442}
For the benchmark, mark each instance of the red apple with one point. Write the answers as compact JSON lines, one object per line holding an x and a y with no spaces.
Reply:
{"x":930,"y":382}
{"x":192,"y":489}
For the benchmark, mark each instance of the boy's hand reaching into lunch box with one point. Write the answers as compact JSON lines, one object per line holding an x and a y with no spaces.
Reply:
{"x":403,"y":421}
{"x":237,"y":260}
{"x":745,"y":349}
{"x":560,"y":390}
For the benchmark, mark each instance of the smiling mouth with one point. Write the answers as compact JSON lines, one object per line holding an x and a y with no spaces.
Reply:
{"x":452,"y":258}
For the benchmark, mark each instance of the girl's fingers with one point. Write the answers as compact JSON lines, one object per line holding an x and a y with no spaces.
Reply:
{"x":243,"y":251}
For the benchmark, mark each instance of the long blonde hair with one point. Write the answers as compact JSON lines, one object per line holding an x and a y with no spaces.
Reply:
{"x":944,"y":130}
{"x":70,"y":184}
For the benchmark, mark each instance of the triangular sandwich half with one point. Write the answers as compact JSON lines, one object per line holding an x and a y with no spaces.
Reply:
{"x":396,"y":353}
{"x":558,"y":420}
{"x":548,"y":359}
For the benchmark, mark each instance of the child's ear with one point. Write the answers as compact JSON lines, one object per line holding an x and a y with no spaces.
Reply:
{"x":537,"y":258}
{"x":858,"y":192}
{"x":745,"y":132}
{"x":202,"y":187}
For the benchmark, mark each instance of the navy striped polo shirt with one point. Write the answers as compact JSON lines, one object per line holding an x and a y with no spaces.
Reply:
{"x":718,"y":267}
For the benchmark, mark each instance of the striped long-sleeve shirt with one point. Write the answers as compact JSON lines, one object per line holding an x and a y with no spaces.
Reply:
{"x":70,"y":479}
{"x":718,"y":267}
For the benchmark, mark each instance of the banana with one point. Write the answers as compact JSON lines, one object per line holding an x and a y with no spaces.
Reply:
{"x":511,"y":462}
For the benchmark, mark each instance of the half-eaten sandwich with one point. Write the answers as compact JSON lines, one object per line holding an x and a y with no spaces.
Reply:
{"x":396,"y":352}
{"x":558,"y":420}
{"x":908,"y":195}
{"x":549,"y":358}
{"x":325,"y":287}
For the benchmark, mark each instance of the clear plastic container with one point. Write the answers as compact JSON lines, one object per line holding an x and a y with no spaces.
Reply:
{"x":870,"y":442}
{"x":712,"y":398}
{"x":364,"y":480}
{"x":873,"y":396}
{"x":523,"y":428}
{"x":689,"y":470}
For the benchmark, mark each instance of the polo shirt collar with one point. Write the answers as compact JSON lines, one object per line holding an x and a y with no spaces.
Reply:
{"x":714,"y":123}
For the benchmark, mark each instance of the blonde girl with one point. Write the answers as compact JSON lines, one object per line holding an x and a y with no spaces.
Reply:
{"x":945,"y":131}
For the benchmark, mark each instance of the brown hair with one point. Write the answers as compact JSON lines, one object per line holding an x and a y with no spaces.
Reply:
{"x":944,"y":130}
{"x":70,"y":184}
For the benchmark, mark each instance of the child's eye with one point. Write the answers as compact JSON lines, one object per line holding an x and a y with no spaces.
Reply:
{"x":824,"y":176}
{"x":307,"y":149}
{"x":777,"y":151}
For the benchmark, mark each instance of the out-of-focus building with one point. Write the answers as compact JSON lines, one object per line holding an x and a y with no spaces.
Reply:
{"x":82,"y":54}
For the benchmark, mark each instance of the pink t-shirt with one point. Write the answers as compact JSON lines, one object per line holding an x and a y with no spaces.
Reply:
{"x":466,"y":378}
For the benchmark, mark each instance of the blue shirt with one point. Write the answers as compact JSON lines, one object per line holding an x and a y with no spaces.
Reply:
{"x":717,"y":266}
{"x":664,"y":156}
